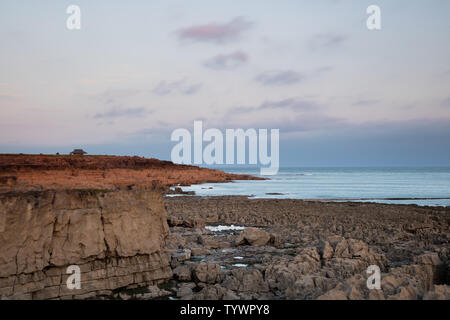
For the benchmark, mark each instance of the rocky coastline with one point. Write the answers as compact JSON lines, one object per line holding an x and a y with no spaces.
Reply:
{"x":102,"y":214}
{"x":112,"y":217}
{"x":295,"y":249}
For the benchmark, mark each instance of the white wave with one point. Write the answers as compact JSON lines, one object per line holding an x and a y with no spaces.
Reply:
{"x":224,"y":228}
{"x":240,"y":265}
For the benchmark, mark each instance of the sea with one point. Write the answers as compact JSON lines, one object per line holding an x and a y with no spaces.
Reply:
{"x":395,"y":185}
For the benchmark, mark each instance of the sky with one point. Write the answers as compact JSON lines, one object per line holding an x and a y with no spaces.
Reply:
{"x":340,"y":94}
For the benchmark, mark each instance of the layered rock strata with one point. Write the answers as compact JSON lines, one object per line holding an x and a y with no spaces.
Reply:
{"x":117,"y":238}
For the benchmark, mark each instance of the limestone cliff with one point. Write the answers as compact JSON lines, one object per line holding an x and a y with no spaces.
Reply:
{"x":116,"y":237}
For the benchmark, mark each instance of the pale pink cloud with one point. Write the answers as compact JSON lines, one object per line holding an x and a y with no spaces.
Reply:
{"x":215,"y":32}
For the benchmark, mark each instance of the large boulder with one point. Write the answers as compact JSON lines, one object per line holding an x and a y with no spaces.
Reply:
{"x":253,"y":237}
{"x":307,"y":287}
{"x":207,"y":273}
{"x":182,"y":273}
{"x":325,"y":250}
{"x":438,"y":292}
{"x":282,"y":274}
{"x":242,"y":280}
{"x":214,"y":292}
{"x":334,"y":294}
{"x":185,"y":291}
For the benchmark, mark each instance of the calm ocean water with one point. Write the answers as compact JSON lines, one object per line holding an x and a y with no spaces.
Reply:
{"x":385,"y":185}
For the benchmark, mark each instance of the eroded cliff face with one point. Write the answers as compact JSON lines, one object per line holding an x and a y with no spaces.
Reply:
{"x":117,"y":238}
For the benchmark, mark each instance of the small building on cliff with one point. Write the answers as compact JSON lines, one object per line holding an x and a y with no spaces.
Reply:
{"x":78,"y":152}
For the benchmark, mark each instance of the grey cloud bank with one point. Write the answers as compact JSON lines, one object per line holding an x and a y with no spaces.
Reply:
{"x":283,"y":77}
{"x":122,"y":112}
{"x":409,"y":143}
{"x":326,"y":40}
{"x":227,"y":61}
{"x":181,"y":87}
{"x":295,"y":104}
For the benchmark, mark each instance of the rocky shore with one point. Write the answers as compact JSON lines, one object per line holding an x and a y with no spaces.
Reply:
{"x":112,"y":217}
{"x":294,"y":249}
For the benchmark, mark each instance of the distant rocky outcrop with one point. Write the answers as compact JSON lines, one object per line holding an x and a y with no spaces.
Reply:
{"x":57,"y":172}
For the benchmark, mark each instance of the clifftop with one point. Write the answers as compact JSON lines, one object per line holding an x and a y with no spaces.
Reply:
{"x":21,"y":172}
{"x":92,"y":162}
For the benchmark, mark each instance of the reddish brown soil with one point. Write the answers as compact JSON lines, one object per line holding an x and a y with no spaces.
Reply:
{"x":36,"y":172}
